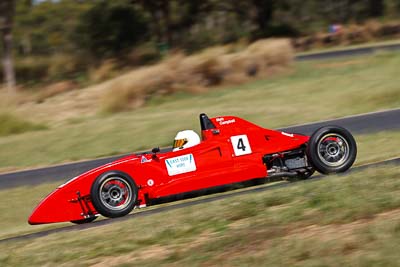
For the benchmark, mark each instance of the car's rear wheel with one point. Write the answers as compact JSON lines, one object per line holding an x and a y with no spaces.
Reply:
{"x":331,"y":149}
{"x":114,"y":194}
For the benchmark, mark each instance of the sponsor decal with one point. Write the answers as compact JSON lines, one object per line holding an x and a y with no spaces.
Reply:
{"x":150,"y":182}
{"x":222,"y":121}
{"x":144,"y":160}
{"x":181,"y":164}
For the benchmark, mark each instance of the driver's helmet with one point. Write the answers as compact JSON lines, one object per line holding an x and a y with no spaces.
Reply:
{"x":185,"y":139}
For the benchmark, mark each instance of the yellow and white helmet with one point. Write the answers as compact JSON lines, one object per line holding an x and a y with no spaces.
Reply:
{"x":185,"y":139}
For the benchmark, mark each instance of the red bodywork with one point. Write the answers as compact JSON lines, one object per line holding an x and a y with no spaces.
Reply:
{"x":221,"y":158}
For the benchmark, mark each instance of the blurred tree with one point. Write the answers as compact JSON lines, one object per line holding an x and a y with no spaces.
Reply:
{"x":376,"y":8}
{"x":107,"y":29}
{"x":48,"y":27}
{"x":263,"y":15}
{"x":7,"y":11}
{"x":169,"y":18}
{"x":153,"y":7}
{"x":312,"y":15}
{"x":21,"y":34}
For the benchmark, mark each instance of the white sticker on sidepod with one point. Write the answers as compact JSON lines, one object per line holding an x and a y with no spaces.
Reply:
{"x":241,"y":145}
{"x":181,"y":164}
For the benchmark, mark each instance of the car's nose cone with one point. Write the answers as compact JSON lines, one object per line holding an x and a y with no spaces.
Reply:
{"x":59,"y":206}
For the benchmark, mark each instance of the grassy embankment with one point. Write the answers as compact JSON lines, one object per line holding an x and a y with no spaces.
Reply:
{"x":347,"y":221}
{"x":313,"y":91}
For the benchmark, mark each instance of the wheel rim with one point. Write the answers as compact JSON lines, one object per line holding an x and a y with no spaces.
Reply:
{"x":115,"y":193}
{"x":333,"y":149}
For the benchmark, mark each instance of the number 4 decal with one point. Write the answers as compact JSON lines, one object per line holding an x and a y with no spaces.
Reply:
{"x":241,"y":145}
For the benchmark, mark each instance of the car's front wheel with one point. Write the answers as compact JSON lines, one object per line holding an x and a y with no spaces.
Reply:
{"x":331,"y":149}
{"x":114,"y":194}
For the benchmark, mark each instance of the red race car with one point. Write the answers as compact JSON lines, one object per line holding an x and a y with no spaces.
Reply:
{"x":231,"y":150}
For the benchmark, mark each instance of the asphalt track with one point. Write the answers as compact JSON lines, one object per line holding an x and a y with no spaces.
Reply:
{"x":359,"y":51}
{"x":364,"y":123}
{"x":179,"y":205}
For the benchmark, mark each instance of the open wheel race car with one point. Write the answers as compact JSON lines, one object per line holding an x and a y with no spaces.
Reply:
{"x":231,"y":150}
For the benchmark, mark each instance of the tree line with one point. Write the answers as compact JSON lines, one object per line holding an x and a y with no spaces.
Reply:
{"x":99,"y":29}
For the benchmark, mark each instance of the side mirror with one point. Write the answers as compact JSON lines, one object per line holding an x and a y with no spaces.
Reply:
{"x":155,"y":150}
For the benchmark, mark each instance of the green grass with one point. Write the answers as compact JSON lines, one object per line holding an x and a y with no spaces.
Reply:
{"x":348,"y":221}
{"x":18,"y":205}
{"x":377,"y":147}
{"x":10,"y":125}
{"x":313,"y":91}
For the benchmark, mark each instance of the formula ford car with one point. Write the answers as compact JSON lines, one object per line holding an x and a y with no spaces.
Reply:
{"x":231,"y":150}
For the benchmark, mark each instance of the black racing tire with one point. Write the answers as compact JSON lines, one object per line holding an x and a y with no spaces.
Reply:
{"x":331,"y":149}
{"x":114,"y":194}
{"x":83,"y":221}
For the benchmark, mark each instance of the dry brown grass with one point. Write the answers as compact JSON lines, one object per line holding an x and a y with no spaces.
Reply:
{"x":61,"y":65}
{"x":196,"y":73}
{"x":372,"y":27}
{"x":132,"y":89}
{"x":106,"y":70}
{"x":356,"y":34}
{"x":8,"y":101}
{"x":55,"y":89}
{"x":142,"y":55}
